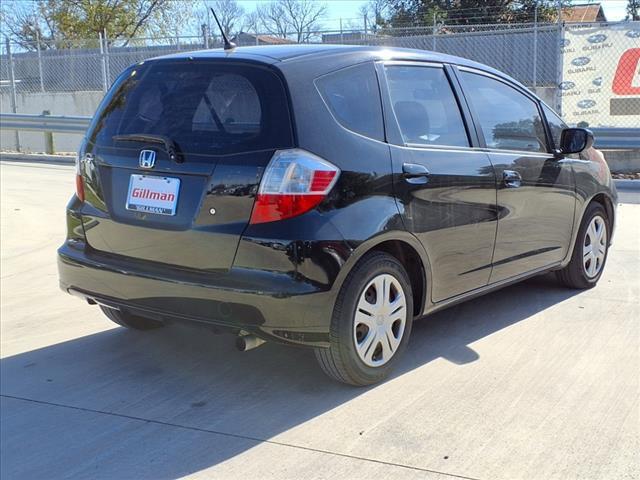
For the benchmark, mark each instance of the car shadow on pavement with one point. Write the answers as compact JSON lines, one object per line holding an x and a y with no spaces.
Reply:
{"x":190,"y":382}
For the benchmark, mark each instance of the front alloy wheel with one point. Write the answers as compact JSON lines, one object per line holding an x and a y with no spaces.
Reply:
{"x":594,"y":246}
{"x":590,"y":250}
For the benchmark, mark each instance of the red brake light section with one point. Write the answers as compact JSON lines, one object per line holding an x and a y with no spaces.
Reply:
{"x":271,"y":208}
{"x":294,"y":183}
{"x":321,"y":180}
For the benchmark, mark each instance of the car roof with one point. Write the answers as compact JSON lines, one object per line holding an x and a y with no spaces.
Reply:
{"x":324,"y":53}
{"x":284,"y":53}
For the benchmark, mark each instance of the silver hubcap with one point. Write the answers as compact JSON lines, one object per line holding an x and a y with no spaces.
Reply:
{"x":380,"y":320}
{"x":594,"y":247}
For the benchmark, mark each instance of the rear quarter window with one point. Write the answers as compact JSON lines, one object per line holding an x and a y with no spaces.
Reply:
{"x":205,"y":107}
{"x":353,"y":97}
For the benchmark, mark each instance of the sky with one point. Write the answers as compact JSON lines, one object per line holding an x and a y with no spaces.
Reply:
{"x":348,"y":9}
{"x":337,"y":9}
{"x":614,"y":9}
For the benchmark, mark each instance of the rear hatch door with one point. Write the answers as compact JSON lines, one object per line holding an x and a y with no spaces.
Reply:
{"x":174,"y":156}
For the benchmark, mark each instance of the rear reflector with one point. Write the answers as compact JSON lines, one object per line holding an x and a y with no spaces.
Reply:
{"x":79,"y":187}
{"x":79,"y":181}
{"x":294,"y":182}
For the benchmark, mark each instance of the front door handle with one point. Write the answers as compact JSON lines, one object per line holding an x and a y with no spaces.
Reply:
{"x":415,"y":173}
{"x":512,"y":179}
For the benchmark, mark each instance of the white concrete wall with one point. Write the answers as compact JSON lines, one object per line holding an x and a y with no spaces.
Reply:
{"x":59,"y":103}
{"x":548,"y":95}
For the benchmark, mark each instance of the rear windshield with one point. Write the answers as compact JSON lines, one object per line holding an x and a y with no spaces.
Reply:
{"x":204,"y":107}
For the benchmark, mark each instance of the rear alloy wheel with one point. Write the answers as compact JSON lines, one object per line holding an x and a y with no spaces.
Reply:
{"x":371,"y":322}
{"x":380,"y":320}
{"x":128,"y":320}
{"x":590,"y":251}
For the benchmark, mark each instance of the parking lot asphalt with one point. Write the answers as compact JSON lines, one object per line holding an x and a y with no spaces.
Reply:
{"x":533,"y":381}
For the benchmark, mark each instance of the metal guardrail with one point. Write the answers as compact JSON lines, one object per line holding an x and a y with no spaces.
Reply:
{"x":617,"y":138}
{"x":44,"y":123}
{"x":606,"y":138}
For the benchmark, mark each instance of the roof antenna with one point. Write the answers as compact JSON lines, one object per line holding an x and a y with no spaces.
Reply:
{"x":227,"y":44}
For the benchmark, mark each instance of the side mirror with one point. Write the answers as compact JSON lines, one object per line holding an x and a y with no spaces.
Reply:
{"x":575,"y":140}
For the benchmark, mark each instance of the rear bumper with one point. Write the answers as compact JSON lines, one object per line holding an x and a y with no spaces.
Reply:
{"x":272,"y":305}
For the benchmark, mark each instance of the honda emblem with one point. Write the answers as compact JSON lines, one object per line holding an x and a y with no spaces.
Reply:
{"x":147,"y":159}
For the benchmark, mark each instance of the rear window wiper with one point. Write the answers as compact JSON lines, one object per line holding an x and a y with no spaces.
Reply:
{"x":169,"y":145}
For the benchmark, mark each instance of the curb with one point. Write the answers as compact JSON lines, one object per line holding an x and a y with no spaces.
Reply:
{"x":626,"y":184}
{"x":37,"y":158}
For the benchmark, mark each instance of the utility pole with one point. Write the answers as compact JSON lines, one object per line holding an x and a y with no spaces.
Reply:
{"x":560,"y":58}
{"x":560,"y":12}
{"x":434,"y":31}
{"x":208,"y":25}
{"x":39,"y":61}
{"x":106,"y":56}
{"x":103,"y":64}
{"x":535,"y":44}
{"x":12,"y":89}
{"x":205,"y":36}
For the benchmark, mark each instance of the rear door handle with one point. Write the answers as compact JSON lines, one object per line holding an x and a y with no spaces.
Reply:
{"x":415,"y":173}
{"x":512,"y":179}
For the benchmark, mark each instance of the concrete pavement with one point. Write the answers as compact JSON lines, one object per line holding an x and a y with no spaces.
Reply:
{"x":533,"y":381}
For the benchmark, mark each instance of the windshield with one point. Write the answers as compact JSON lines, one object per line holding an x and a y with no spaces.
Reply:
{"x":204,"y":107}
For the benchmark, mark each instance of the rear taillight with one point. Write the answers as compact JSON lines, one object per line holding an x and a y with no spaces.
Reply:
{"x":79,"y":181}
{"x":294,"y":182}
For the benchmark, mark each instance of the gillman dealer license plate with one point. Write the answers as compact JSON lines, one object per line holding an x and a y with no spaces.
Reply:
{"x":152,"y":194}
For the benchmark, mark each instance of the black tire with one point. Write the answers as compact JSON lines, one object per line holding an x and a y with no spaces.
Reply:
{"x":341,"y":361}
{"x":126,"y":319}
{"x":574,"y":275}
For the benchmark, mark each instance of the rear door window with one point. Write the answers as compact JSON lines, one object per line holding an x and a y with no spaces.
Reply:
{"x":353,"y":96}
{"x":425,"y":106}
{"x":204,"y":107}
{"x":509,"y":119}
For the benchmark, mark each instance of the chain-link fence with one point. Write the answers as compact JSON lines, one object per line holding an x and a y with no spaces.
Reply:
{"x":80,"y":65}
{"x":557,"y":61}
{"x":529,"y":53}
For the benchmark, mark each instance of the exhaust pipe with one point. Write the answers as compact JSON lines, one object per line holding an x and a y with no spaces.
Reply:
{"x":248,"y":342}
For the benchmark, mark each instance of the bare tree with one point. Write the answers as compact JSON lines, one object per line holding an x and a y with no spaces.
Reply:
{"x":374,"y":13}
{"x":251,"y":22}
{"x":24,"y":23}
{"x":178,"y":18}
{"x":304,"y":17}
{"x":300,"y":18}
{"x":273,"y":19}
{"x":63,"y":22}
{"x":230,"y":14}
{"x":633,"y":10}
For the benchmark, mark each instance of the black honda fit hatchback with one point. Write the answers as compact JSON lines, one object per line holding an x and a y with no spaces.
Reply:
{"x":326,"y":196}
